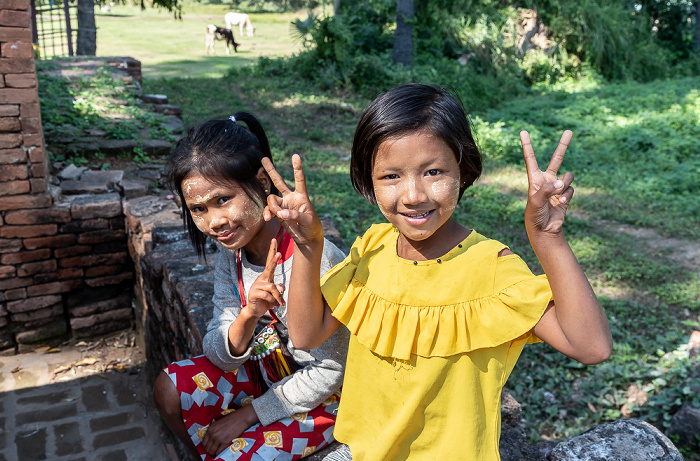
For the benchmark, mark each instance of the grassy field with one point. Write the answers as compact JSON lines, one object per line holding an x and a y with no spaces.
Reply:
{"x":634,"y":222}
{"x":171,"y":48}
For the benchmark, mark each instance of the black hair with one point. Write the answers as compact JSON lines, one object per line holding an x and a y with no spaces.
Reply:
{"x":408,"y":109}
{"x":224,"y":152}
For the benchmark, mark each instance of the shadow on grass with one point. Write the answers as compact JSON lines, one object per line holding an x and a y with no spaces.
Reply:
{"x":216,"y":66}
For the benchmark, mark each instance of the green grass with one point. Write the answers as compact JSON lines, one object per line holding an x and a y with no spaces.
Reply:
{"x":170,"y":48}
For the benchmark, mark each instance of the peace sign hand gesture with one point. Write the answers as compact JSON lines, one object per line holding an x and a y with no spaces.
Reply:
{"x":548,"y":196}
{"x":293,"y":209}
{"x":263,"y":293}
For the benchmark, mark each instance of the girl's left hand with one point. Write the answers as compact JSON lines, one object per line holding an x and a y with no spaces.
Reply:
{"x":224,"y":430}
{"x":263,"y":293}
{"x":548,"y":196}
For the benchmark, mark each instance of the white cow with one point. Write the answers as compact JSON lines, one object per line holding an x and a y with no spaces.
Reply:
{"x":241,"y":20}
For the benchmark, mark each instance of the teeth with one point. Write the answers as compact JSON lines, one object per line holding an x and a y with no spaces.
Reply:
{"x":418,"y":216}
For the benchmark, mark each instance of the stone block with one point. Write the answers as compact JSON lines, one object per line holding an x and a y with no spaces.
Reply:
{"x":120,"y":302}
{"x":54,"y":287}
{"x":32,"y":304}
{"x":31,"y":443}
{"x":16,"y":49}
{"x":101,"y":236}
{"x":13,"y":172}
{"x":102,"y":328}
{"x":59,"y":213}
{"x":15,"y":18}
{"x":10,"y":156}
{"x":15,"y":5}
{"x":7,"y":272}
{"x":109,"y":439}
{"x":83,"y":225}
{"x":18,"y":202}
{"x":21,"y":81}
{"x":10,"y":246}
{"x":12,"y":295}
{"x":109,"y":280}
{"x":55,"y":311}
{"x":685,"y":425}
{"x":96,"y":206}
{"x":37,"y":170}
{"x":51,"y":330}
{"x":71,"y":173}
{"x":155,"y":98}
{"x":38,"y":185}
{"x":10,"y":124}
{"x":28,"y":231}
{"x":28,"y":269}
{"x":10,"y":140}
{"x":100,"y":271}
{"x":25,"y":256}
{"x":133,"y":188}
{"x":93,"y":182}
{"x":54,"y":412}
{"x":81,"y":323}
{"x":15,"y":65}
{"x":9,"y":110}
{"x":56,"y":241}
{"x":14,"y":188}
{"x":91,"y":295}
{"x":15,"y":282}
{"x":61,"y":274}
{"x":72,"y":251}
{"x":17,"y":95}
{"x":32,"y":139}
{"x":93,"y":260}
{"x":30,"y":110}
{"x":69,"y":441}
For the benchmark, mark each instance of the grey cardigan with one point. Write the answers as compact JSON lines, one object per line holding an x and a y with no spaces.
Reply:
{"x":323,"y":367}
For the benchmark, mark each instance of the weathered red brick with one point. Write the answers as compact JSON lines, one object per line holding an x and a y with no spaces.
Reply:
{"x":9,"y":110}
{"x":93,"y":260}
{"x":25,"y":256}
{"x":53,"y":287}
{"x":16,"y":5}
{"x":14,"y":188}
{"x":16,"y":49}
{"x":100,"y":236}
{"x":36,"y":154}
{"x":41,"y":267}
{"x":30,"y":110}
{"x":119,"y":302}
{"x":15,"y":282}
{"x":72,"y":251}
{"x":14,"y":18}
{"x":10,"y":246}
{"x":12,"y":172}
{"x":80,"y":225}
{"x":18,"y":95}
{"x":10,"y":124}
{"x":10,"y":271}
{"x":96,"y":206}
{"x":37,"y":170}
{"x":19,"y":202}
{"x":2,"y":81}
{"x":32,"y":304}
{"x":16,"y":65}
{"x":109,"y":280}
{"x":20,"y":80}
{"x":10,"y":140}
{"x":59,"y":213}
{"x":100,"y":271}
{"x":28,"y":231}
{"x":37,"y":185}
{"x":33,"y":139}
{"x":19,"y":293}
{"x":10,"y":34}
{"x":46,"y":313}
{"x":13,"y":156}
{"x":61,"y":274}
{"x":57,"y":241}
{"x":31,"y":125}
{"x":109,"y":316}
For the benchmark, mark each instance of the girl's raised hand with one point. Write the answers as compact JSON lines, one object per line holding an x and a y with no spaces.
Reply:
{"x":263,"y":293}
{"x":293,"y":209}
{"x":548,"y":196}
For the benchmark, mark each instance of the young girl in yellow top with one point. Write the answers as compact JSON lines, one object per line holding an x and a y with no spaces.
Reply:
{"x":438,"y":313}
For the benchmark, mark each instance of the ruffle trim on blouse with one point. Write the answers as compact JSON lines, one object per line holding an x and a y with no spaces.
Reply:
{"x":395,"y":330}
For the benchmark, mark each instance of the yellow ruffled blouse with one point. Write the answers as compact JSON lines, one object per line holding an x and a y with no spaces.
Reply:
{"x":433,"y":342}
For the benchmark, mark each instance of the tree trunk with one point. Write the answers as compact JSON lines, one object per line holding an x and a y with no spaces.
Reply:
{"x":403,"y":38}
{"x":336,"y":7}
{"x":696,"y":32}
{"x":87,"y":32}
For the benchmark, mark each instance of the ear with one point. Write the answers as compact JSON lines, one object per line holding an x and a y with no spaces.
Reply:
{"x":264,"y":180}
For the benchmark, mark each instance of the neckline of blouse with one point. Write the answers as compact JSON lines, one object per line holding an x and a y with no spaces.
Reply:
{"x":458,"y":249}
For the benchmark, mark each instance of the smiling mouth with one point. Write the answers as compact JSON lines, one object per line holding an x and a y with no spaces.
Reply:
{"x":417,"y":216}
{"x":225,"y":235}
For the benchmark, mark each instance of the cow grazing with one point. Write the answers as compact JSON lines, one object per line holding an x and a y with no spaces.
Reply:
{"x":241,"y":20}
{"x":221,"y":34}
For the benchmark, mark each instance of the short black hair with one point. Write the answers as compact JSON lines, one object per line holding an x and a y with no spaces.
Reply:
{"x":224,"y":152}
{"x":408,"y":109}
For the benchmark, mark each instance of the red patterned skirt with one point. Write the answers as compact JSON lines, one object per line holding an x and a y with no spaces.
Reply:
{"x":207,"y":393}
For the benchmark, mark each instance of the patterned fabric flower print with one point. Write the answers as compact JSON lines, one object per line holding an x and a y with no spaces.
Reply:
{"x":202,"y":381}
{"x":237,"y":445}
{"x":273,"y":439}
{"x":308,"y":451}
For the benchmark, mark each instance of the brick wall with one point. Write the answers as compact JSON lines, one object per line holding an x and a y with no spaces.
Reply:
{"x":64,"y":264}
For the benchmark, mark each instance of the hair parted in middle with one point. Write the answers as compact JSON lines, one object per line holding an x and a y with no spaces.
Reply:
{"x":224,"y":152}
{"x":405,"y":110}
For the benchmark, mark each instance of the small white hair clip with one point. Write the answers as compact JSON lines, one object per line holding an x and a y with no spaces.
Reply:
{"x":232,"y":118}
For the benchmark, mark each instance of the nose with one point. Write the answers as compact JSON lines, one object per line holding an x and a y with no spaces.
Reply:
{"x":414,"y":192}
{"x":218,"y":219}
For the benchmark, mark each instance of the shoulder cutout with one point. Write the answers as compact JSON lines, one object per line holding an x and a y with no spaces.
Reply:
{"x":505,"y":252}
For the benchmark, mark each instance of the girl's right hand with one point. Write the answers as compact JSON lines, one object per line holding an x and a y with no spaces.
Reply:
{"x":293,"y":209}
{"x":263,"y":293}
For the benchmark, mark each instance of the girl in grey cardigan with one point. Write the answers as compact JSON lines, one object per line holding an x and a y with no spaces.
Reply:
{"x":252,"y":395}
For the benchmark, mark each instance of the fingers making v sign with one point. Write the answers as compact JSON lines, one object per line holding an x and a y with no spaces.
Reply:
{"x":548,"y":195}
{"x":263,"y":293}
{"x":293,"y":209}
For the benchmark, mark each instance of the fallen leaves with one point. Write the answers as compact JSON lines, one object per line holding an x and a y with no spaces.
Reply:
{"x":84,"y":362}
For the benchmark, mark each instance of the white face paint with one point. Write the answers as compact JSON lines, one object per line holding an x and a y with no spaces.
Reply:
{"x":416,"y":182}
{"x":223,"y":212}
